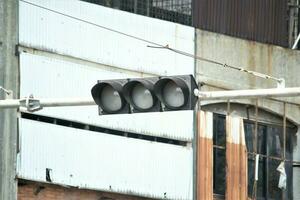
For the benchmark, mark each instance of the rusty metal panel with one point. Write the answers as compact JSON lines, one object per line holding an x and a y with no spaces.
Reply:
{"x":236,"y":159}
{"x":99,"y":161}
{"x":205,"y":155}
{"x":263,"y":21}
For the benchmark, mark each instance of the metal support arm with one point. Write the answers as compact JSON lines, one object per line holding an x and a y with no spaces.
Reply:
{"x":245,"y":94}
{"x":31,"y":104}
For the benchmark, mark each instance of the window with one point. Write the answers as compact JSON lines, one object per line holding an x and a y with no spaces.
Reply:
{"x":269,"y":144}
{"x":179,"y":11}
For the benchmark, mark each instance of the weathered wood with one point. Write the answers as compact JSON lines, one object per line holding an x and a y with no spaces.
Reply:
{"x":204,"y":156}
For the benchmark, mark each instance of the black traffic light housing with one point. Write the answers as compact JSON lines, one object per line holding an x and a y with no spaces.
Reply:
{"x":153,"y":94}
{"x":186,"y":83}
{"x":117,"y":86}
{"x":145,"y":84}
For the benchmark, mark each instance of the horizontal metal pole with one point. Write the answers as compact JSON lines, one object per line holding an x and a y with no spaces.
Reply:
{"x":50,"y":102}
{"x":67,"y":102}
{"x":208,"y":95}
{"x":9,"y":103}
{"x":245,"y":94}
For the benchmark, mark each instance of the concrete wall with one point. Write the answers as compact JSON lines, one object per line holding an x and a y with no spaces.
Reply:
{"x":268,"y":59}
{"x":273,"y":60}
{"x":8,"y":79}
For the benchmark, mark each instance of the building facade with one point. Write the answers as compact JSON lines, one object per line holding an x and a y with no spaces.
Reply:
{"x":64,"y":47}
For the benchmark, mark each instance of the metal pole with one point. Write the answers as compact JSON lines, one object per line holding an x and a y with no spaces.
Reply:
{"x":296,"y":42}
{"x":245,"y":94}
{"x":50,"y":102}
{"x":9,"y":78}
{"x":214,"y":95}
{"x":67,"y":102}
{"x":9,"y":103}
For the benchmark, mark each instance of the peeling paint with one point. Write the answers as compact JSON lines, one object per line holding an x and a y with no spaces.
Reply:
{"x":236,"y":160}
{"x":205,"y":156}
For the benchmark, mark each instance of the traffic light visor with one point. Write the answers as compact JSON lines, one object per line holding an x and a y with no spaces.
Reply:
{"x":108,"y":97}
{"x":139,"y":94}
{"x":172,"y":92}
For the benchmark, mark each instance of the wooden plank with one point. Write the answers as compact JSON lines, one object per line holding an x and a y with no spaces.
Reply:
{"x":236,"y":160}
{"x":204,"y":156}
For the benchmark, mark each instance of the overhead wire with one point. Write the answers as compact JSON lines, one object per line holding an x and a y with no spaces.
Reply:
{"x":157,"y":45}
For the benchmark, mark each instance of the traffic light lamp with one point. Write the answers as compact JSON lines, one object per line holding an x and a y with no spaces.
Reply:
{"x":154,"y":94}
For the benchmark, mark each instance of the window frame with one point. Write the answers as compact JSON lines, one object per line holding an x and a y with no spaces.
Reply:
{"x":265,"y":158}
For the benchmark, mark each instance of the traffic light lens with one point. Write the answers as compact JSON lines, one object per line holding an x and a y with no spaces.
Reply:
{"x":110,"y":99}
{"x":142,"y":97}
{"x":173,"y":95}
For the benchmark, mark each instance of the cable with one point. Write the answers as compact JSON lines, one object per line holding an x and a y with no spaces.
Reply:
{"x":157,"y":45}
{"x":258,"y":74}
{"x":91,"y":23}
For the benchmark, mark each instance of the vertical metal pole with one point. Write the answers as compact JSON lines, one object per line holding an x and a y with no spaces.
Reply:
{"x":296,"y":12}
{"x":148,"y":8}
{"x":284,"y":140}
{"x":135,"y":6}
{"x":228,"y":107}
{"x":291,"y":23}
{"x":196,"y":121}
{"x":196,"y":149}
{"x":9,"y":76}
{"x":256,"y":126}
{"x":254,"y":189}
{"x":284,"y":130}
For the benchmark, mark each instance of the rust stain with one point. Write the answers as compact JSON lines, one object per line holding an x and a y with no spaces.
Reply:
{"x":270,"y":60}
{"x":236,"y":172}
{"x":251,"y":62}
{"x":236,"y":162}
{"x":204,"y":160}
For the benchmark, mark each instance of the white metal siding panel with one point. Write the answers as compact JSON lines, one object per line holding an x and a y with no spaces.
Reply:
{"x":49,"y":31}
{"x":100,"y":161}
{"x":47,"y":77}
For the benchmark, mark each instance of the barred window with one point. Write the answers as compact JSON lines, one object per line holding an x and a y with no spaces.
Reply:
{"x":269,"y":145}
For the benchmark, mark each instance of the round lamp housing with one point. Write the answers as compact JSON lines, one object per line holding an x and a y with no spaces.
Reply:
{"x":176,"y":92}
{"x":139,"y":94}
{"x":108,"y":96}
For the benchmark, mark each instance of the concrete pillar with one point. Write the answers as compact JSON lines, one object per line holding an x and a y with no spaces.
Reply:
{"x":9,"y":78}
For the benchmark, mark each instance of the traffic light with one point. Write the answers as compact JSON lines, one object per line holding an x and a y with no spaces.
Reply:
{"x":154,"y":94}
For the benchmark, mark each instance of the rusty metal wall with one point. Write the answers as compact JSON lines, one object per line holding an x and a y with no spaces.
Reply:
{"x":263,"y":21}
{"x":204,"y":155}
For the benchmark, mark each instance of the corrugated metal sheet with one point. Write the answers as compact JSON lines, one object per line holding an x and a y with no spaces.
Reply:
{"x":263,"y":21}
{"x":53,"y":32}
{"x":48,"y":77}
{"x":99,"y":161}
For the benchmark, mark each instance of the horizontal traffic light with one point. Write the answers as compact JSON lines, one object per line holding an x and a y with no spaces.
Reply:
{"x":154,"y":94}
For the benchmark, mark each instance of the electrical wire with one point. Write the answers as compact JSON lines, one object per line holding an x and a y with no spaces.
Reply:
{"x":157,"y":45}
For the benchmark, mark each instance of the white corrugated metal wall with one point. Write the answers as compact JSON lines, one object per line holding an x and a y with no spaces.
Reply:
{"x":94,"y":160}
{"x":50,"y":77}
{"x":62,"y":57}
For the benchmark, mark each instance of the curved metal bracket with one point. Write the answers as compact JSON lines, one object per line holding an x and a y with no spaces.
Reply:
{"x":31,"y":104}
